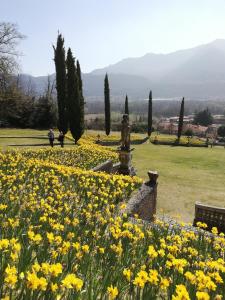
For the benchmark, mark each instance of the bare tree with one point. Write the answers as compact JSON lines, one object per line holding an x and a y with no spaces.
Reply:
{"x":50,"y":86}
{"x":9,"y":39}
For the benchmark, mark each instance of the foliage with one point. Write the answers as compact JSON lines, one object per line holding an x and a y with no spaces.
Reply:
{"x":189,"y":132}
{"x":73,"y":100}
{"x":203,"y":118}
{"x":126,"y":107}
{"x":43,"y":114}
{"x":60,"y":67}
{"x":139,"y":127}
{"x":171,"y":140}
{"x":20,"y":110}
{"x":150,"y":114}
{"x":16,"y":110}
{"x":181,"y":120}
{"x":107,"y":106}
{"x":81,"y":98}
{"x":221,"y":131}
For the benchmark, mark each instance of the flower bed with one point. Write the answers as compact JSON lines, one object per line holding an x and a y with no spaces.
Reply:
{"x":171,"y":140}
{"x":87,"y":155}
{"x":62,"y":237}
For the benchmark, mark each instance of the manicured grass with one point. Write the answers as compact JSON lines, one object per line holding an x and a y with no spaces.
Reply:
{"x":22,"y":132}
{"x":20,"y":138}
{"x":186,"y":175}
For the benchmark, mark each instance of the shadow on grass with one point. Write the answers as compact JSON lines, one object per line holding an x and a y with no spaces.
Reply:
{"x":38,"y":145}
{"x":24,"y":137}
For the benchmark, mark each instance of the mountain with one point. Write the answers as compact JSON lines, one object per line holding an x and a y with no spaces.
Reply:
{"x":156,"y":66}
{"x":197,"y":73}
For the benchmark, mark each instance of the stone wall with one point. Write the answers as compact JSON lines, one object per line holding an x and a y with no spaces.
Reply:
{"x":143,"y":203}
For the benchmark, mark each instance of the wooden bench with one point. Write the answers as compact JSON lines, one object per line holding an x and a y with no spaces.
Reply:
{"x":211,"y":215}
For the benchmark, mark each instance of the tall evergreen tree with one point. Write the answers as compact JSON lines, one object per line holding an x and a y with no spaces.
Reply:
{"x":126,"y":106}
{"x":181,"y":120}
{"x":107,"y":105}
{"x":81,"y":97}
{"x":73,"y":97}
{"x":60,"y":67}
{"x":150,"y":114}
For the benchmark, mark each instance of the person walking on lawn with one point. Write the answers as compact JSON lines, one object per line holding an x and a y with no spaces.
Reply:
{"x":51,"y":137}
{"x":61,"y":139}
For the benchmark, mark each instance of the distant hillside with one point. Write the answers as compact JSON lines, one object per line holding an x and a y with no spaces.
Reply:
{"x":196,"y":73}
{"x":120,"y":84}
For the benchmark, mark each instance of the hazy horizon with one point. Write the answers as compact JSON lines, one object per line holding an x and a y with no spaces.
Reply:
{"x":160,"y":53}
{"x":102,"y":33}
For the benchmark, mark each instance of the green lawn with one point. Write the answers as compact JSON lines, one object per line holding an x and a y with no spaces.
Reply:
{"x":186,"y":175}
{"x":20,"y":138}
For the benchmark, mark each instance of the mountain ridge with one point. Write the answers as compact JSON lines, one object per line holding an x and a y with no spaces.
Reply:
{"x":197,"y":72}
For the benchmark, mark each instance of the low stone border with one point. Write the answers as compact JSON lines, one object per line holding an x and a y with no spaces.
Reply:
{"x":106,"y":166}
{"x":117,"y":143}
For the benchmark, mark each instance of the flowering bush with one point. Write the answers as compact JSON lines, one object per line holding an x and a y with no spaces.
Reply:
{"x":63,"y":237}
{"x":166,"y":138}
{"x":114,"y":136}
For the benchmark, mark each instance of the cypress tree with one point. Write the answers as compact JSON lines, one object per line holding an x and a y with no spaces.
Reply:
{"x":126,"y":106}
{"x":150,"y":114}
{"x":107,"y":105}
{"x":181,"y":120}
{"x":60,"y":67}
{"x":81,"y":97}
{"x":73,"y":98}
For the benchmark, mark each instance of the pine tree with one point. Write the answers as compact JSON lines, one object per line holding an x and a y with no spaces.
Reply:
{"x":73,"y":98}
{"x":126,"y":106}
{"x":150,"y":114}
{"x":60,"y":67}
{"x":181,"y":120}
{"x":107,"y":106}
{"x":81,"y":98}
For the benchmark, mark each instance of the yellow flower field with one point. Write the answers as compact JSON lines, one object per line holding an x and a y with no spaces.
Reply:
{"x":86,"y":156}
{"x":63,"y":237}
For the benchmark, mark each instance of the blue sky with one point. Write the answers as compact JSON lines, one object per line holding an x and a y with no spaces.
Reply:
{"x":102,"y":32}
